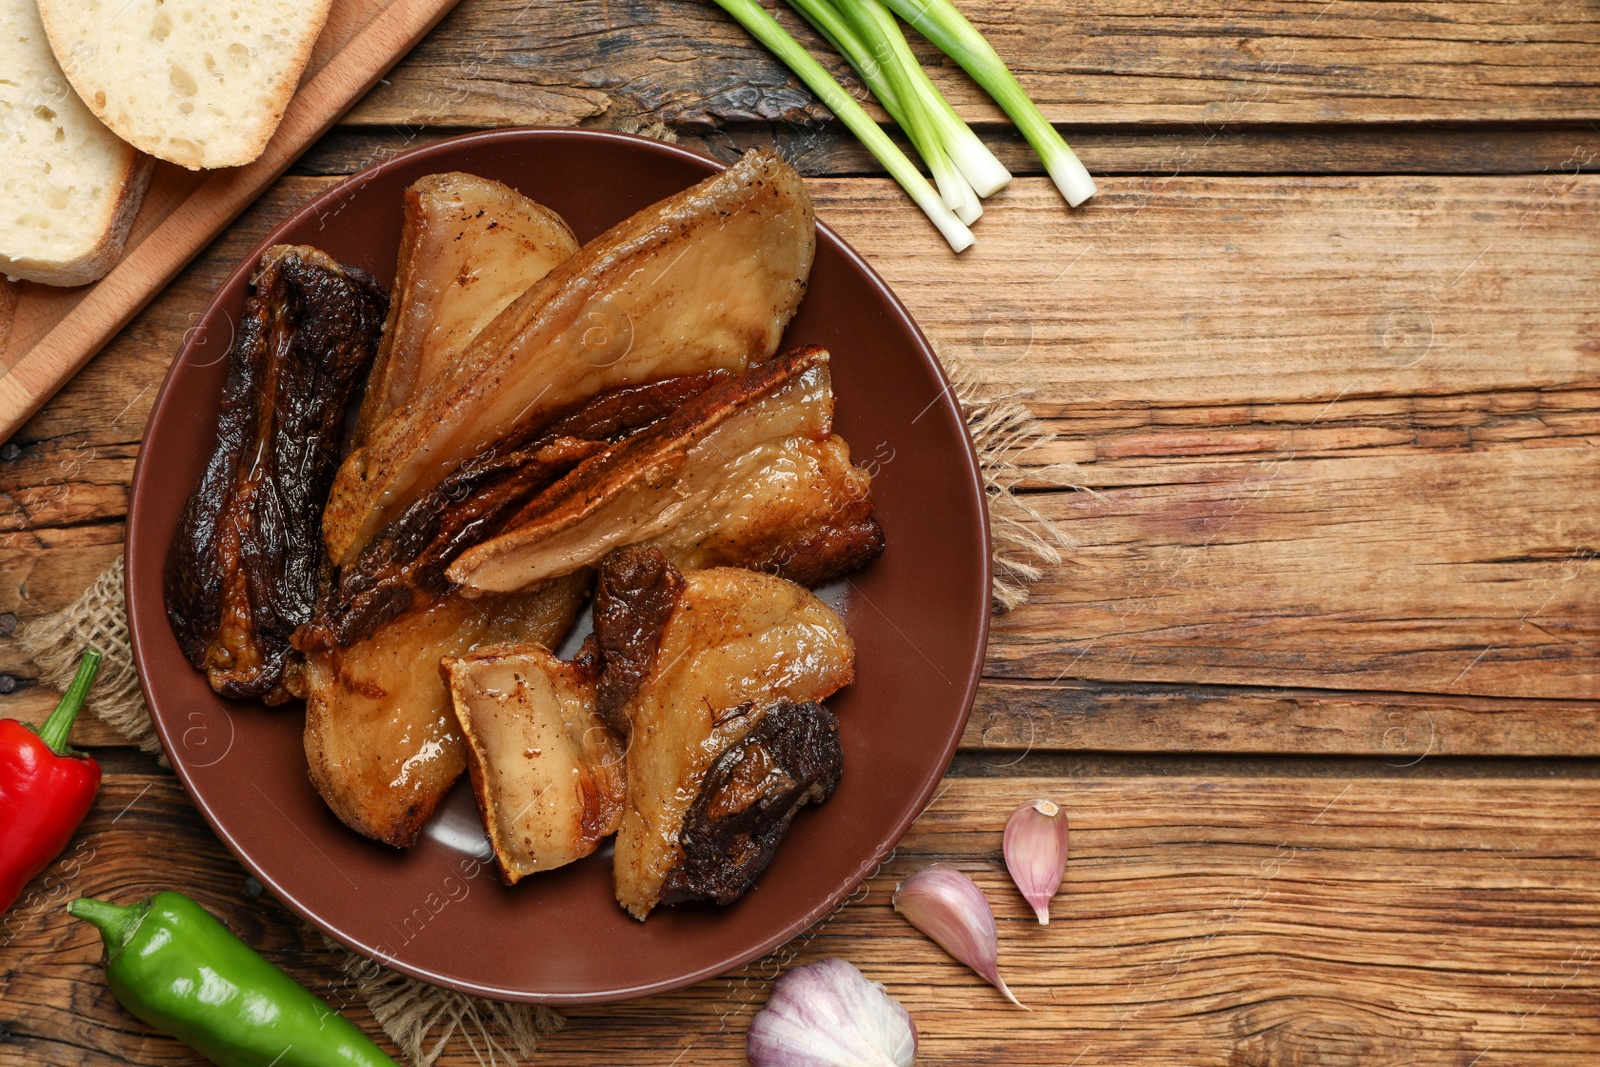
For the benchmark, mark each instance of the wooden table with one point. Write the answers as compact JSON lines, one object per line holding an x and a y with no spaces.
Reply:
{"x":1319,"y":686}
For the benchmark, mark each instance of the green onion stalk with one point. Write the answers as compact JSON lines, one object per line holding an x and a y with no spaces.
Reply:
{"x":947,"y":28}
{"x":977,"y":164}
{"x":826,"y":20}
{"x":867,"y":18}
{"x":983,"y":172}
{"x":753,"y":17}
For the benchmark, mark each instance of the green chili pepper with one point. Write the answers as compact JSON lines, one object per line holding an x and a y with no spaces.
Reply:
{"x":180,"y":970}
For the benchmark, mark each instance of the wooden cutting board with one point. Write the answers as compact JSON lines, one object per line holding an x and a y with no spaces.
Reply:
{"x":48,"y":333}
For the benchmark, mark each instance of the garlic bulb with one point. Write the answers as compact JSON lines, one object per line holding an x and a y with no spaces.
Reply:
{"x":950,"y":908}
{"x":826,"y":1014}
{"x":1036,"y":853}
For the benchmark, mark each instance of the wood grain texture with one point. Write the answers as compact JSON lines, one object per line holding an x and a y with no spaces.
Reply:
{"x":1202,"y":921}
{"x":1441,"y":574}
{"x":1154,"y":151}
{"x":1239,"y":291}
{"x":1015,"y":717}
{"x":505,"y":62}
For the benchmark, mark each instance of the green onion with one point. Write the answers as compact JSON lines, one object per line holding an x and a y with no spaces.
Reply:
{"x":977,"y":164}
{"x":983,"y":172}
{"x":826,"y":20}
{"x":753,"y":17}
{"x":916,"y":117}
{"x":941,"y":23}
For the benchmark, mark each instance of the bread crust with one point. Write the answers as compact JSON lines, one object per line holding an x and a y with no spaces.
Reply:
{"x":93,"y":264}
{"x":210,"y":158}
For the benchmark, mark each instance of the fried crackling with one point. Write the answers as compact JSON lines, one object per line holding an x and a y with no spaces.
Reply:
{"x":748,"y":473}
{"x":407,"y":561}
{"x":546,"y":772}
{"x":382,"y":743}
{"x":789,"y":758}
{"x":734,"y":642}
{"x":469,"y":246}
{"x":243,"y":569}
{"x":705,"y":279}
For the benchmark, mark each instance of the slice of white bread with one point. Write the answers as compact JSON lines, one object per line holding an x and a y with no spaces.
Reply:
{"x":69,"y":188}
{"x":202,"y":83}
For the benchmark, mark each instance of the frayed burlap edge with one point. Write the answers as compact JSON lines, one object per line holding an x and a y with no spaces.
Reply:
{"x":1006,"y":435}
{"x":98,"y":619}
{"x":422,"y":1019}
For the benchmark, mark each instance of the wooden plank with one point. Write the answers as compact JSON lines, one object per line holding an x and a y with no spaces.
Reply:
{"x":1237,"y":291}
{"x":1464,"y":573}
{"x":512,"y":62}
{"x":828,"y":150}
{"x":1011,"y":718}
{"x":44,"y":570}
{"x":1203,"y":921}
{"x":1108,"y":441}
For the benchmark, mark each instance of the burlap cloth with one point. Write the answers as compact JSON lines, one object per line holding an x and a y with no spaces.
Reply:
{"x":423,"y":1019}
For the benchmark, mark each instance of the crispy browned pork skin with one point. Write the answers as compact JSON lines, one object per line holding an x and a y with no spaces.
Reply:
{"x":382,"y":738}
{"x":382,"y":742}
{"x":633,"y":602}
{"x":546,"y":772}
{"x":790,"y":758}
{"x":705,"y":658}
{"x":242,"y":571}
{"x":747,"y":473}
{"x":704,"y":280}
{"x":407,"y":561}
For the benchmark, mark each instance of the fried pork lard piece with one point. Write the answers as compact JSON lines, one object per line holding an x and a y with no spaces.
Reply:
{"x":790,"y":757}
{"x":409,"y":557}
{"x":243,"y":569}
{"x":382,"y":742}
{"x":702,"y":659}
{"x":468,"y":248}
{"x":747,"y":473}
{"x":704,"y":280}
{"x":546,"y":771}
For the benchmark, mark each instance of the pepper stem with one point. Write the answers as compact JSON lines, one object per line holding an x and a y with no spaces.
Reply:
{"x":113,"y":921}
{"x":58,"y":726}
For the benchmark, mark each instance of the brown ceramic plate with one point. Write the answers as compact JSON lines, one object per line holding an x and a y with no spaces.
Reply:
{"x":919,"y":615}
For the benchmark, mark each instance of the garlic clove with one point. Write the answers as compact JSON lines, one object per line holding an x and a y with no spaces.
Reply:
{"x":827,"y":1014}
{"x":950,"y":908}
{"x":1036,"y":852}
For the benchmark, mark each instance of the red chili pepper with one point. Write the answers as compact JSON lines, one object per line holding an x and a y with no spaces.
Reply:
{"x":45,"y":787}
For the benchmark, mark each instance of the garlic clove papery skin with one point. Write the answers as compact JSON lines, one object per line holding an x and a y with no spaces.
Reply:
{"x":1036,"y":853}
{"x":950,"y":908}
{"x":827,"y":1014}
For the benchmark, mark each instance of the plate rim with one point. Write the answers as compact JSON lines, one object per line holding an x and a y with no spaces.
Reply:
{"x":133,"y":536}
